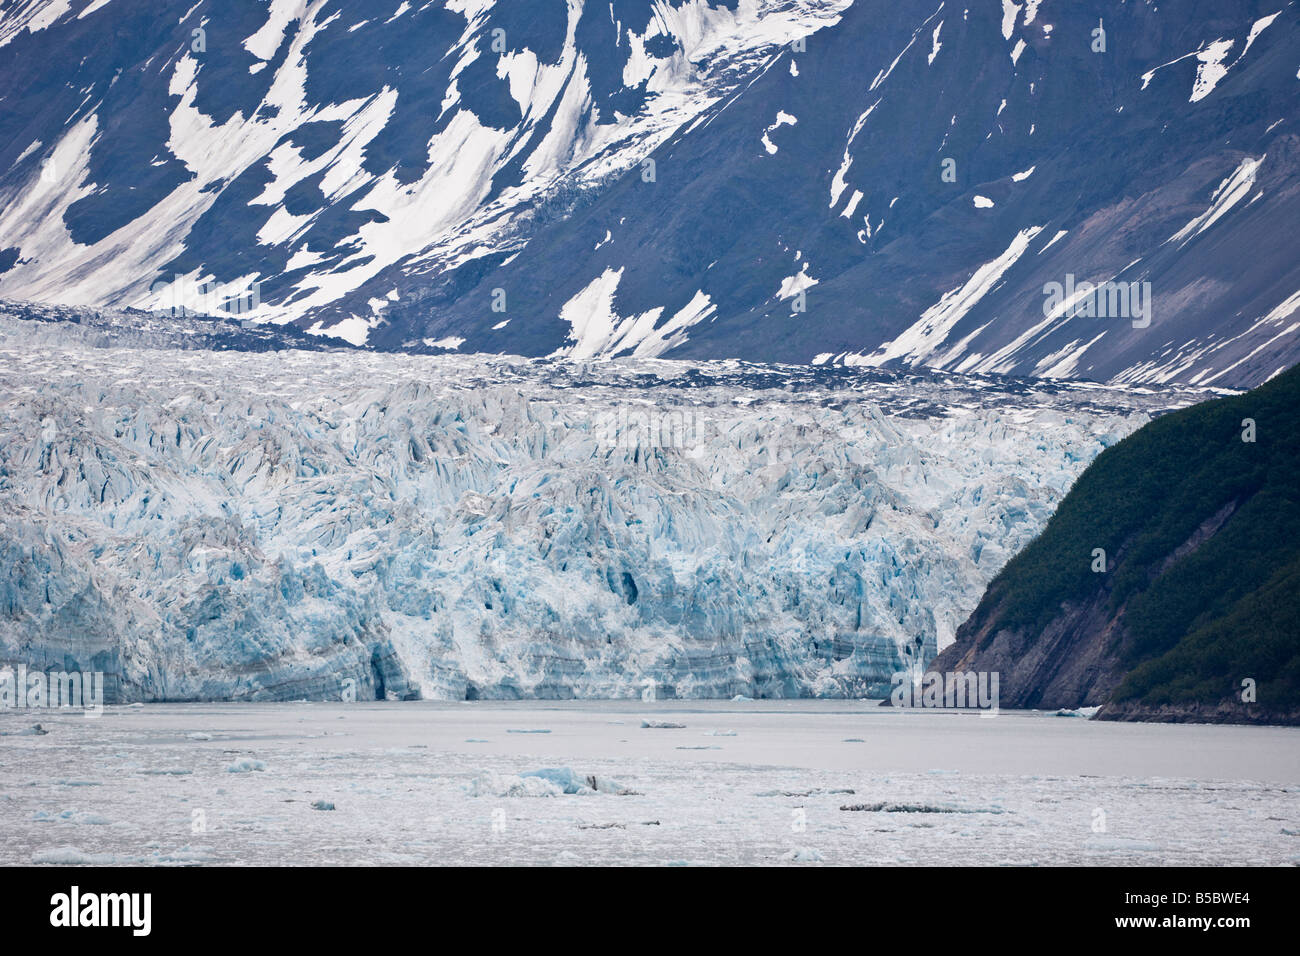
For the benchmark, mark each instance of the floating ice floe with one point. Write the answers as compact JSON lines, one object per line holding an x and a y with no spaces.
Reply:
{"x":545,"y":782}
{"x":246,"y":765}
{"x":803,"y":854}
{"x":83,"y":817}
{"x":1077,"y":712}
{"x":35,"y":730}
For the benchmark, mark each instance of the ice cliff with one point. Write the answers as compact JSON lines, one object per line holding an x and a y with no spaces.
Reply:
{"x":285,"y":525}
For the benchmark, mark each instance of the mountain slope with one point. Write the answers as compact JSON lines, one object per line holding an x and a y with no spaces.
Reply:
{"x":1090,"y":171}
{"x":1200,"y":530}
{"x":327,"y":149}
{"x":474,"y":175}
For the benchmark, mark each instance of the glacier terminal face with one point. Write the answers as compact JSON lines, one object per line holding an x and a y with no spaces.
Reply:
{"x":205,"y":525}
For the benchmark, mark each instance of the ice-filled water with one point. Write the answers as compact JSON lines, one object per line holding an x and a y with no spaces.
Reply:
{"x":583,"y":782}
{"x":208,"y":525}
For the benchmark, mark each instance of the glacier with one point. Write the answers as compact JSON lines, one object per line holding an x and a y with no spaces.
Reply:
{"x":283,"y":525}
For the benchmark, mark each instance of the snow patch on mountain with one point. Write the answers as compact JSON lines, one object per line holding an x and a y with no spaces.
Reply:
{"x":1010,"y":11}
{"x":31,"y":16}
{"x":919,"y":344}
{"x":597,"y":329}
{"x":1211,"y":60}
{"x":793,"y":285}
{"x":839,"y":182}
{"x":1210,"y":68}
{"x":1275,"y":318}
{"x":1227,"y":194}
{"x":884,"y":73}
{"x":782,"y":119}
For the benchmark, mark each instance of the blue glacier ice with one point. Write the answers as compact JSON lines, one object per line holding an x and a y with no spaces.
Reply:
{"x":209,"y":525}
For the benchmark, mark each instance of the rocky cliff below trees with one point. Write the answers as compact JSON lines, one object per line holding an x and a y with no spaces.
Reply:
{"x":1167,"y":584}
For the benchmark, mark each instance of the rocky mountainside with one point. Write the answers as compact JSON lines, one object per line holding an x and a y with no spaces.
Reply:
{"x":1166,"y":584}
{"x":852,"y":182}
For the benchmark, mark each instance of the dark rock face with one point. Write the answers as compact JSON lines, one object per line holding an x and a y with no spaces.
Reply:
{"x":1071,"y":663}
{"x":1224,"y":712}
{"x":1165,"y":587}
{"x":913,"y":176}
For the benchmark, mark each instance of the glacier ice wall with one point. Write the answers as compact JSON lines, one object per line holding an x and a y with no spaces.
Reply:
{"x":217,"y":525}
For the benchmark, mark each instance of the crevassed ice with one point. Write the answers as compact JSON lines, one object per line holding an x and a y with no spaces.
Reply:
{"x":290,"y":525}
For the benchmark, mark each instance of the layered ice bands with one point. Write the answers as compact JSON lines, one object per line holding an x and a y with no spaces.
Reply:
{"x":207,"y":525}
